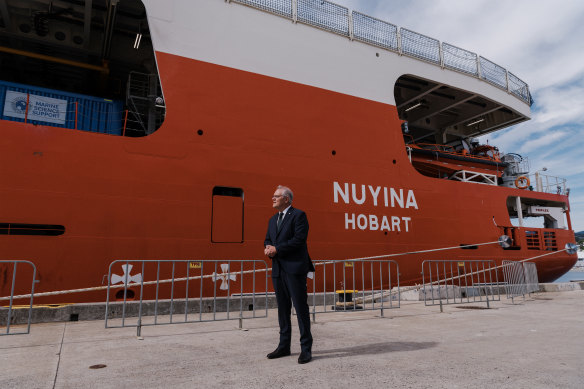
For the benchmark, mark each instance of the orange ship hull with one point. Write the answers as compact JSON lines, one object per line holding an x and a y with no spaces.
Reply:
{"x":152,"y":197}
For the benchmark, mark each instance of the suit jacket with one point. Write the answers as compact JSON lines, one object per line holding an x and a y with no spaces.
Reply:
{"x":290,"y":242}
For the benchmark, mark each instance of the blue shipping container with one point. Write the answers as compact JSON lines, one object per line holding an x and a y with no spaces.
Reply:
{"x":60,"y":109}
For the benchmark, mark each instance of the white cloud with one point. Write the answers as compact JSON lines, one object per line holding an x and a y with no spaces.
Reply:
{"x":560,"y":105}
{"x":544,"y":140}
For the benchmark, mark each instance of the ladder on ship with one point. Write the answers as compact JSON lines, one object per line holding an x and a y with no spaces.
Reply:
{"x":145,"y":104}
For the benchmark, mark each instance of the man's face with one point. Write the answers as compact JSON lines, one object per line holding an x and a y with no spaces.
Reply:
{"x":279,"y":201}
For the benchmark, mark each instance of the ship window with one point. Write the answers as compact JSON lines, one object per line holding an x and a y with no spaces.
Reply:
{"x":31,"y":229}
{"x":227,"y":215}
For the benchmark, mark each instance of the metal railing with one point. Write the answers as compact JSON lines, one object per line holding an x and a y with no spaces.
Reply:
{"x":185,"y":291}
{"x":520,"y":278}
{"x":531,"y":278}
{"x":323,"y":14}
{"x":459,"y":282}
{"x":420,"y":46}
{"x":549,"y":184}
{"x":517,"y":165}
{"x":374,"y":31}
{"x":354,"y":285}
{"x":460,"y":60}
{"x":7,"y":313}
{"x":358,"y":26}
{"x":145,"y":104}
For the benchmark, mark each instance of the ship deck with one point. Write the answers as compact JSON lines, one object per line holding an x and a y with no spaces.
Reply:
{"x":535,"y":343}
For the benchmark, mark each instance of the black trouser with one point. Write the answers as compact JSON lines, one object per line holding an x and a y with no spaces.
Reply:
{"x":291,"y":289}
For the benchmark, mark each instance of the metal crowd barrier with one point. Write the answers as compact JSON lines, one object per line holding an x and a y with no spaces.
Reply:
{"x":531,"y":278}
{"x":354,"y":285}
{"x":459,"y":282}
{"x":8,"y":313}
{"x":158,"y":292}
{"x":520,"y":278}
{"x":340,"y":20}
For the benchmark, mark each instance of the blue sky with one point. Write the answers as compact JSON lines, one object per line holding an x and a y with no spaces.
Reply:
{"x":542,"y":42}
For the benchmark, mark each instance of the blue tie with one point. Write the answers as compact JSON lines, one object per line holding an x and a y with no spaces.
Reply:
{"x":279,"y":222}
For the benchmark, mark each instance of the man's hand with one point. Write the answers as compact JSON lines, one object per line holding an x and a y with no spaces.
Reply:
{"x":270,"y":251}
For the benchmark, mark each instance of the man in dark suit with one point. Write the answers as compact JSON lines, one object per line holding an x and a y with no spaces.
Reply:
{"x":285,"y":244}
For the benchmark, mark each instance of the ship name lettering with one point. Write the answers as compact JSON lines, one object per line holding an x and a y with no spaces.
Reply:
{"x":375,"y":223}
{"x":389,"y":197}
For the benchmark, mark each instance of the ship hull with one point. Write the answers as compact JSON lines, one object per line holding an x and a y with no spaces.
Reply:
{"x":152,"y":198}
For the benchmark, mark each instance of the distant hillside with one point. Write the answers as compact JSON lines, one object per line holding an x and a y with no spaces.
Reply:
{"x":579,"y":235}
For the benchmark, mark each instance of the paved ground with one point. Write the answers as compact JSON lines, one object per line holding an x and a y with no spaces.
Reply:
{"x":533,"y":344}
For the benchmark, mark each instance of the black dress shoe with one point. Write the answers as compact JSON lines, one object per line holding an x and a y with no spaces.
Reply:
{"x":305,"y":357}
{"x":279,"y":353}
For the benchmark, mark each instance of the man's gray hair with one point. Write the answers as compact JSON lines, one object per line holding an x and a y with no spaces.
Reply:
{"x":287,"y":192}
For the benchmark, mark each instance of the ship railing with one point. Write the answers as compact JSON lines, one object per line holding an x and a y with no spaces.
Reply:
{"x":145,"y":102}
{"x":448,"y":282}
{"x":474,"y":177}
{"x":357,"y":26}
{"x":354,"y":285}
{"x":520,"y":278}
{"x":161,"y":292}
{"x":449,"y":150}
{"x":12,"y":313}
{"x":549,"y":184}
{"x":517,"y":165}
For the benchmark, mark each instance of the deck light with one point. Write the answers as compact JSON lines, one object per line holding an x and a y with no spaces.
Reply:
{"x":138,"y":37}
{"x":137,"y":40}
{"x":413,"y":106}
{"x":475,"y":122}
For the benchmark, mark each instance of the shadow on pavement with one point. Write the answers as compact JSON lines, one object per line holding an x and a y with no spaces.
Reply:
{"x":372,"y":349}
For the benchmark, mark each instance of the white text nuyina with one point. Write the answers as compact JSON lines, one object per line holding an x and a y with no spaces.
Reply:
{"x":378,"y":196}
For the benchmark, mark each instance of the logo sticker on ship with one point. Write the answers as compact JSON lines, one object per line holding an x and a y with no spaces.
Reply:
{"x":223,"y":276}
{"x":127,"y":276}
{"x":19,"y":105}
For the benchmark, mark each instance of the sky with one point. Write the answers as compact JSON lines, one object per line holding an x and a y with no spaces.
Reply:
{"x":541,"y":42}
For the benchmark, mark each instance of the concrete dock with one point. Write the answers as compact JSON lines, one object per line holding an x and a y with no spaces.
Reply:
{"x":536,"y":343}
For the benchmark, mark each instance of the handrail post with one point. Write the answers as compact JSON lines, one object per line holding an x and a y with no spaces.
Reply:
{"x":350,"y":19}
{"x":76,"y":112}
{"x":479,"y":70}
{"x":399,"y":41}
{"x":9,"y":317}
{"x":26,"y":111}
{"x":125,"y":121}
{"x":295,"y":11}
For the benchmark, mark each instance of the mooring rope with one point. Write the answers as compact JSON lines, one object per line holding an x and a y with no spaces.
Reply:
{"x":218,"y":275}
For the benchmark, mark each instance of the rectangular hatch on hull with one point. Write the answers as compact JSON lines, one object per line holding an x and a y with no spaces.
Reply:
{"x":227,"y":216}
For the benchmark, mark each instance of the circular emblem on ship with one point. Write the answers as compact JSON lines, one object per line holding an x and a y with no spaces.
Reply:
{"x":19,"y":105}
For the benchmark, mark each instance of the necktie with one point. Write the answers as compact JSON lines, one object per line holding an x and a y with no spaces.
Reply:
{"x":279,"y":222}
